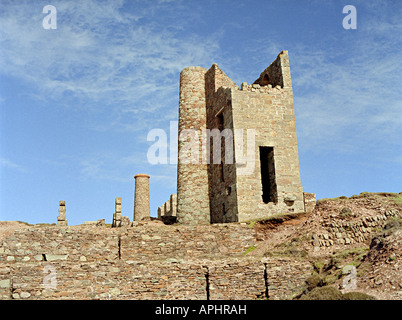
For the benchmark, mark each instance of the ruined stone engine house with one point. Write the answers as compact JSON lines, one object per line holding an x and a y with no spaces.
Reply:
{"x":210,"y":192}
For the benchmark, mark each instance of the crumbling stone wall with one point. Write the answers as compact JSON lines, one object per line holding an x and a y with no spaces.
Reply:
{"x":168,"y":211}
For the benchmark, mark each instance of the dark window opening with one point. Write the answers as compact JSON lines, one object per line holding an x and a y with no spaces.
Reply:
{"x":222,"y":173}
{"x":268,"y":179}
{"x":220,"y":120}
{"x":223,"y":208}
{"x":265,"y":80}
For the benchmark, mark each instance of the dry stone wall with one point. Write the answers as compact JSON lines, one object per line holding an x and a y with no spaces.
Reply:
{"x":76,"y":243}
{"x":147,"y":261}
{"x":236,"y":279}
{"x":349,"y":232}
{"x":163,"y":242}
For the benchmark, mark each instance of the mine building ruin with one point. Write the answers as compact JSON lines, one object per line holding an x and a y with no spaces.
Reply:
{"x":210,"y":192}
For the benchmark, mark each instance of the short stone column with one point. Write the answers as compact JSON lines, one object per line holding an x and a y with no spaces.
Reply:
{"x":161,"y":211}
{"x":117,"y":213}
{"x":61,"y":219}
{"x":141,"y":198}
{"x":173,"y":205}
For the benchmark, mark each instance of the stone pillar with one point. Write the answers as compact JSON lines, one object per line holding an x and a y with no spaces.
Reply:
{"x":173,"y":205}
{"x":167,"y":208}
{"x":161,"y":211}
{"x":61,"y":219}
{"x":117,"y":214}
{"x":141,"y":198}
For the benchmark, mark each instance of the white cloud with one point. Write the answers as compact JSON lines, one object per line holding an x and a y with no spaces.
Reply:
{"x":349,"y":100}
{"x":6,"y":163}
{"x":100,"y":55}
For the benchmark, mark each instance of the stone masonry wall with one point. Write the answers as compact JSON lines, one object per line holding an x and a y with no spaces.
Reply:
{"x":201,"y":242}
{"x":148,"y":261}
{"x":350,"y":232}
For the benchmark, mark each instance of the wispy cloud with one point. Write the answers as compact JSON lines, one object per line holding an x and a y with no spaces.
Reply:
{"x":100,"y":57}
{"x":6,"y":163}
{"x":349,"y":99}
{"x":101,"y":167}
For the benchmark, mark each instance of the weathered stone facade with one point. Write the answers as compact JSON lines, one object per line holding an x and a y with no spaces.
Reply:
{"x":213,"y":187}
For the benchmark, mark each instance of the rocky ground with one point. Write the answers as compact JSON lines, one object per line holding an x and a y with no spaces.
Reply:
{"x":371,"y":265}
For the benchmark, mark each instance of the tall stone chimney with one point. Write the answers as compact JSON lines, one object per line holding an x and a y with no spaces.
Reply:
{"x":142,"y":209}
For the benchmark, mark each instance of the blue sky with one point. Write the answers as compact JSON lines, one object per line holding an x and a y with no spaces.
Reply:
{"x":78,"y":102}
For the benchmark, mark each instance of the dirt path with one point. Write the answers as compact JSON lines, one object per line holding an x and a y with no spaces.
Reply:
{"x":276,"y":231}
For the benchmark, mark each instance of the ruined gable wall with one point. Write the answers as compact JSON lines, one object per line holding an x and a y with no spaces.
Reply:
{"x":275,"y":126}
{"x":271,"y":112}
{"x":278,"y":72}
